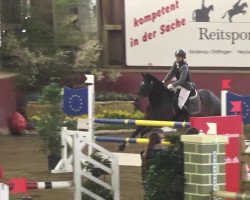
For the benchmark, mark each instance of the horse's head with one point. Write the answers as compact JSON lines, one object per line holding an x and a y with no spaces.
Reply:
{"x":244,"y":5}
{"x":147,"y":85}
{"x":161,"y":99}
{"x":211,"y":7}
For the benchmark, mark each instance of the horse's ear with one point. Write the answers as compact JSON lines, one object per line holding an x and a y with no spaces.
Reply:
{"x":143,"y":74}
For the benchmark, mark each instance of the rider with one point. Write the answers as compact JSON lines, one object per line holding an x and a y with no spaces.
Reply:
{"x":236,"y":5}
{"x":180,"y":71}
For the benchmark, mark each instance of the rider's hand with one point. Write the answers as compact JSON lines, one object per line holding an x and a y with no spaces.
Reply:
{"x":170,"y":86}
{"x":163,"y":82}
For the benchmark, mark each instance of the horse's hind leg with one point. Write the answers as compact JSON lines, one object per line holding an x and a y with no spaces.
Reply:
{"x":134,"y":134}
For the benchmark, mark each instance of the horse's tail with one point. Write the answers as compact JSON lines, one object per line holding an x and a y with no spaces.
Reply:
{"x":224,"y":15}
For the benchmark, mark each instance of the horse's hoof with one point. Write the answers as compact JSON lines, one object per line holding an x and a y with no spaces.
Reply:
{"x":121,"y":147}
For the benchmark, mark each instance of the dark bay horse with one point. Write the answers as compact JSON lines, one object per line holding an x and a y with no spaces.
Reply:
{"x":162,"y":101}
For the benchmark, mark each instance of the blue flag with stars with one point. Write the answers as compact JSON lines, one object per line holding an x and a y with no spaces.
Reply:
{"x":234,"y":108}
{"x":75,"y":101}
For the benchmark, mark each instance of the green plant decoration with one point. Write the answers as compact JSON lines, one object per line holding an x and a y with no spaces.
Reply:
{"x":114,"y":96}
{"x":49,"y":124}
{"x":165,"y":177}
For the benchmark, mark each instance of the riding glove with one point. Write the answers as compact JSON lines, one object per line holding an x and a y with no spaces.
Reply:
{"x":170,"y":86}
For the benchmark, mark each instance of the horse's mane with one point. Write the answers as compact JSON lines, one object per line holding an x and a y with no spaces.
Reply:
{"x":149,"y":77}
{"x":161,"y":99}
{"x":158,"y":84}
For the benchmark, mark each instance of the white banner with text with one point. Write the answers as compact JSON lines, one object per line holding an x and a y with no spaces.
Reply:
{"x":213,"y":33}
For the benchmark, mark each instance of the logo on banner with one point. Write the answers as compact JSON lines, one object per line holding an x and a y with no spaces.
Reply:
{"x":232,"y":160}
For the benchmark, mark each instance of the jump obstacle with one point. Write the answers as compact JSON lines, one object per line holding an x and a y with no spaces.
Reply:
{"x":66,"y":162}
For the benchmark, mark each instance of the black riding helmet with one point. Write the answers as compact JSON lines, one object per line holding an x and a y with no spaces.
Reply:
{"x":180,"y":53}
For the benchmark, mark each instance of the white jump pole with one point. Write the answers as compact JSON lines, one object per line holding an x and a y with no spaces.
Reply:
{"x":45,"y":185}
{"x":91,"y":107}
{"x":224,"y":102}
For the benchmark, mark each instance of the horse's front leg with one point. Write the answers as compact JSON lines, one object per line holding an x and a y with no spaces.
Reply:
{"x":134,"y":134}
{"x":138,"y":130}
{"x":145,"y":130}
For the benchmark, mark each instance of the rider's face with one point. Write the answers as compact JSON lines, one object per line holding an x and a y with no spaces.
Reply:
{"x":178,"y":58}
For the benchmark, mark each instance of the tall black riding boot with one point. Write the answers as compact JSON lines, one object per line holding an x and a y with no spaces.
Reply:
{"x":185,"y":110}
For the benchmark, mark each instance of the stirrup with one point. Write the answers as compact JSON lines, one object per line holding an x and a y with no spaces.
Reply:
{"x":185,"y":108}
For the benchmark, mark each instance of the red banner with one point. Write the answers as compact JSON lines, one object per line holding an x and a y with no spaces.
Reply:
{"x":233,"y":127}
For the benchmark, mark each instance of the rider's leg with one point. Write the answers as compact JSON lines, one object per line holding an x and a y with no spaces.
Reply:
{"x":183,"y":96}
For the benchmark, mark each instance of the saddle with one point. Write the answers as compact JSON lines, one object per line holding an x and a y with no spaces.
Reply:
{"x":194,"y":103}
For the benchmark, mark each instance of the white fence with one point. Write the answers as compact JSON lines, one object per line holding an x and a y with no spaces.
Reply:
{"x":80,"y":142}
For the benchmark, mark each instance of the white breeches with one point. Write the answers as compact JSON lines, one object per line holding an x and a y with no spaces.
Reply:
{"x":183,"y":96}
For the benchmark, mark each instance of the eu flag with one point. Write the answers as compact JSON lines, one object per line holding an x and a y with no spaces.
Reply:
{"x":238,"y":104}
{"x":75,"y":101}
